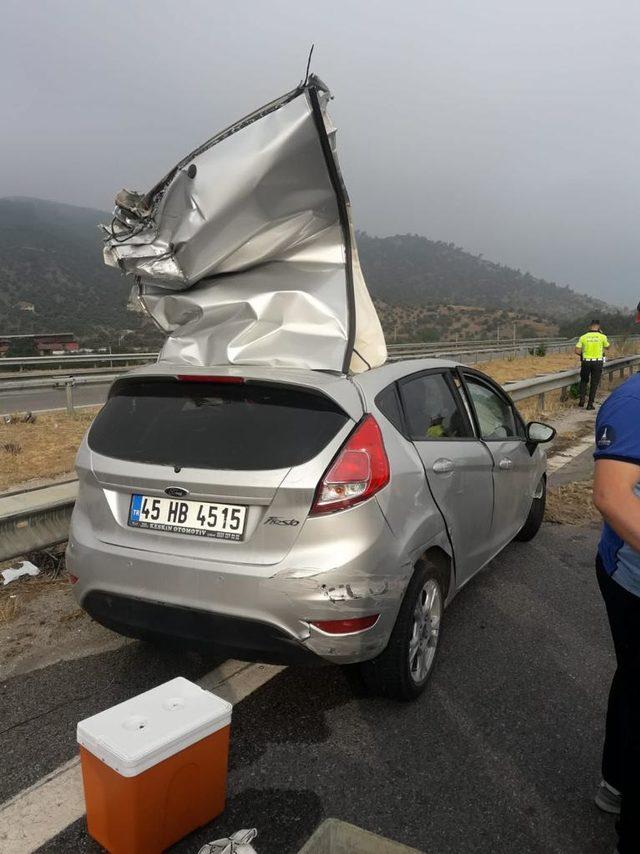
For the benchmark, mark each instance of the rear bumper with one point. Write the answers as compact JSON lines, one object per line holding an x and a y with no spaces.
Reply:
{"x":343,"y":567}
{"x":141,"y":618}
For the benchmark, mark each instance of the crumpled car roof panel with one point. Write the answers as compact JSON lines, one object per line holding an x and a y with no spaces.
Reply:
{"x":245,"y":252}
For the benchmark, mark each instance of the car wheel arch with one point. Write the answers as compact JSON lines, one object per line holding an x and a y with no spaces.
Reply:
{"x":444,"y":564}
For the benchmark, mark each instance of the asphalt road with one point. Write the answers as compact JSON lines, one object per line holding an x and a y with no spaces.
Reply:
{"x":501,"y":754}
{"x":36,"y":400}
{"x":580,"y":468}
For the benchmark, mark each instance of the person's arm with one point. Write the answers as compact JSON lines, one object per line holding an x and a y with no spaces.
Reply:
{"x":579,"y":347}
{"x":607,"y":343}
{"x":614,"y":497}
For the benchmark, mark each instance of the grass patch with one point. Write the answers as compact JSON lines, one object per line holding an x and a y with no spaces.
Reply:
{"x":44,"y":448}
{"x":571,"y":504}
{"x":509,"y":370}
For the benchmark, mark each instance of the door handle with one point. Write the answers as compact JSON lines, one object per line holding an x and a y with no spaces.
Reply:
{"x":505,"y":463}
{"x":443,"y":465}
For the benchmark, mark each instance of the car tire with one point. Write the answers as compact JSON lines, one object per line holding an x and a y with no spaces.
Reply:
{"x":536,"y":515}
{"x":402,"y":670}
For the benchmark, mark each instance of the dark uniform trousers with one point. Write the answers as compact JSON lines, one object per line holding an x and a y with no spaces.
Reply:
{"x":590,"y":375}
{"x":621,"y":755}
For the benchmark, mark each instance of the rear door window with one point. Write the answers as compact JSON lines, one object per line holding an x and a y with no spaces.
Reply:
{"x":496,"y":417}
{"x":433,"y":409}
{"x":214,"y":425}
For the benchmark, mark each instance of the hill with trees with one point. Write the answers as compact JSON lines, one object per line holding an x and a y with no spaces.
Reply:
{"x":53,"y":279}
{"x":411,"y":269}
{"x":613,"y":323}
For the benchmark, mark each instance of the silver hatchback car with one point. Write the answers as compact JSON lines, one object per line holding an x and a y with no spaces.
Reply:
{"x":294,"y":515}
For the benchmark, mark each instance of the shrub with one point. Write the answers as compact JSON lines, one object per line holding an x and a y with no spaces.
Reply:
{"x":12,"y":448}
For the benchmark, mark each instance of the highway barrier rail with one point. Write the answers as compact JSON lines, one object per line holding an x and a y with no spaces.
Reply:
{"x":35,"y":519}
{"x":122,"y":361}
{"x":58,"y":382}
{"x":469,"y":353}
{"x":38,"y":518}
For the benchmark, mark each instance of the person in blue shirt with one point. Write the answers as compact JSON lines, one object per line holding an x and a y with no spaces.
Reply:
{"x":616,"y":494}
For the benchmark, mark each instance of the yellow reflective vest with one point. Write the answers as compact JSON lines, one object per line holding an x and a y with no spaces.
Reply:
{"x":592,"y":345}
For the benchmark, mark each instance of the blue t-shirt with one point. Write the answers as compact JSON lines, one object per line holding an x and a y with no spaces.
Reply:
{"x":618,"y":438}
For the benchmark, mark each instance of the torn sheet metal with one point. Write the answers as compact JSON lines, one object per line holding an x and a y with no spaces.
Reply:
{"x":245,"y":252}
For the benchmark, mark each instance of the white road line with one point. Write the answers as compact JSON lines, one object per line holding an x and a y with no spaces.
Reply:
{"x":559,"y":460}
{"x":46,"y":808}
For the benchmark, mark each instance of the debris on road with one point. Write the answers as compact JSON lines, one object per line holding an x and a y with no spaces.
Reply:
{"x":238,"y":843}
{"x":22,"y":417}
{"x":339,"y":837}
{"x":41,"y":623}
{"x":50,"y":561}
{"x":25,"y":568}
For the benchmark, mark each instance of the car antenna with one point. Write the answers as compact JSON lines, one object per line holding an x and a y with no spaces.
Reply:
{"x":306,"y":76}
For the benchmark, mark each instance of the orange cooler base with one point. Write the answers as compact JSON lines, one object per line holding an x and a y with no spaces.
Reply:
{"x":147,"y":813}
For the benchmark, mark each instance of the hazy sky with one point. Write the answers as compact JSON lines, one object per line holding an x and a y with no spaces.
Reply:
{"x":509,"y":127}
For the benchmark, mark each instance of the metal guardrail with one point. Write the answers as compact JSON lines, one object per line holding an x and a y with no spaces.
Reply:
{"x":480,"y":342}
{"x":396,"y":351}
{"x":59,"y":382}
{"x":475,"y":354}
{"x":71,"y":382}
{"x":38,"y":518}
{"x":563,"y":380}
{"x":35,"y":518}
{"x":93,"y":358}
{"x":476,"y":351}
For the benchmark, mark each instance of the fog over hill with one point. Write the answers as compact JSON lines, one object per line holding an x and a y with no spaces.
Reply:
{"x":52,"y":278}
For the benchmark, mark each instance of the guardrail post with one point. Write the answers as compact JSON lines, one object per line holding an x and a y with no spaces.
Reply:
{"x":69,"y":392}
{"x":541,"y":401}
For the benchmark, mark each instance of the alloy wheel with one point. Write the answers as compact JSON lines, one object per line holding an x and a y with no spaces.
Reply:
{"x":425,"y":631}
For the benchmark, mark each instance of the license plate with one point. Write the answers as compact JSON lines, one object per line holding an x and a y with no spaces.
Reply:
{"x":197,"y":518}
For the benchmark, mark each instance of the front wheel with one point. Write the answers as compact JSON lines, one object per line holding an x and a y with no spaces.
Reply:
{"x":536,"y":514}
{"x":402,"y":670}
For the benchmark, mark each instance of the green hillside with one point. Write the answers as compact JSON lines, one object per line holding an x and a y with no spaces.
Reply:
{"x":53,"y":279}
{"x":51,"y":261}
{"x":413,"y":270}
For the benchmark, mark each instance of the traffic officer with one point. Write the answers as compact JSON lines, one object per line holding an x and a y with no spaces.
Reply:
{"x":590,"y":348}
{"x":616,"y":494}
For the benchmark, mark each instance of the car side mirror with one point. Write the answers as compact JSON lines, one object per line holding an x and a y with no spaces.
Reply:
{"x":539,"y":433}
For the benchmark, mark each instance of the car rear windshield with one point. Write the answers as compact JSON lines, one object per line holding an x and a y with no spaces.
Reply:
{"x":214,"y":425}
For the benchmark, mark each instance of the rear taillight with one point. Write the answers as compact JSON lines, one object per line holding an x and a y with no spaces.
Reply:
{"x":346,"y":627}
{"x":359,"y":471}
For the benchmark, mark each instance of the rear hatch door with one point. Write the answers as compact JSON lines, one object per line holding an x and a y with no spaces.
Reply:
{"x":213,"y":466}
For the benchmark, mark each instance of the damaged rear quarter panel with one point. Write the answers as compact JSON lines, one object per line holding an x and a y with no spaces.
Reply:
{"x":362,"y":572}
